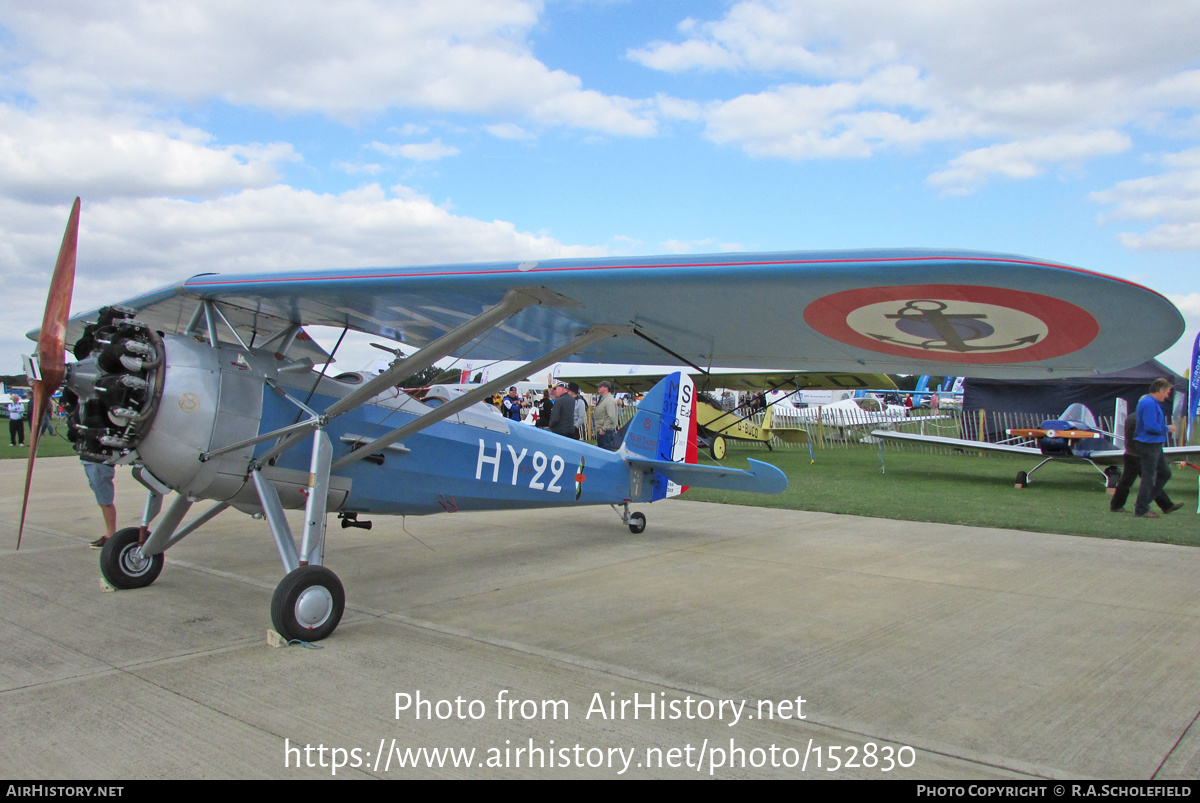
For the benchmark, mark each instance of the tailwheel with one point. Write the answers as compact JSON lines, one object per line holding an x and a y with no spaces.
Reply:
{"x":717,"y":448}
{"x":308,"y":604}
{"x":1022,"y":480}
{"x":122,"y":562}
{"x":637,"y":523}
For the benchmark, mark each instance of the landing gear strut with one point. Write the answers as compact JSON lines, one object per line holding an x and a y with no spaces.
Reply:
{"x":636,"y":521}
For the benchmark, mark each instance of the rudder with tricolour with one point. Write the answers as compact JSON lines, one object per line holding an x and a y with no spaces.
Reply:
{"x":664,"y":428}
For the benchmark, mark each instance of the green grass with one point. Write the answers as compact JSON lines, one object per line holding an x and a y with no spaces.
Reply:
{"x":48,"y":446}
{"x":920,"y":486}
{"x":961,"y":489}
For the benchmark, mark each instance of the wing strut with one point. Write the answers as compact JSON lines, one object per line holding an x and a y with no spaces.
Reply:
{"x":467,"y":399}
{"x":679,"y":357}
{"x":513,"y":302}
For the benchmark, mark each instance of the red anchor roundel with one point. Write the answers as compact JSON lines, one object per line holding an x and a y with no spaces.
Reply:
{"x":954,"y":323}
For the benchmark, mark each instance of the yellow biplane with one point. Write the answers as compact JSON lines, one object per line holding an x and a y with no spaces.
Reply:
{"x":716,"y":424}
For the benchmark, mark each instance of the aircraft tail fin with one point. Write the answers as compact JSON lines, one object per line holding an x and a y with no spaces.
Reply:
{"x":664,"y":429}
{"x":1120,"y":413}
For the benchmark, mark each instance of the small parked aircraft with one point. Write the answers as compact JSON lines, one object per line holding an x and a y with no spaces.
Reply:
{"x":849,"y":415}
{"x":207,"y":387}
{"x":1073,"y":437}
{"x":717,"y":423}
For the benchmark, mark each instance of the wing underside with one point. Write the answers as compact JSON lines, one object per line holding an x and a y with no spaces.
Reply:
{"x":962,"y":313}
{"x":640,"y":378}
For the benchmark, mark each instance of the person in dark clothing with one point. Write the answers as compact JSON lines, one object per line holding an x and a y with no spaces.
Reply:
{"x":1131,"y":470}
{"x":510,"y":405}
{"x":544,"y":406}
{"x":1150,"y":439}
{"x":562,"y":417}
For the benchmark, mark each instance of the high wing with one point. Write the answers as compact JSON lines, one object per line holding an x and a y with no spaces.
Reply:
{"x":970,"y":313}
{"x":640,"y":378}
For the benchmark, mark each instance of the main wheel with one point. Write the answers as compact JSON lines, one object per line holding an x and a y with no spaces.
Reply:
{"x":1022,"y":479}
{"x":122,"y":563}
{"x":308,"y":604}
{"x":637,"y":523}
{"x":1112,"y":478}
{"x":717,"y":448}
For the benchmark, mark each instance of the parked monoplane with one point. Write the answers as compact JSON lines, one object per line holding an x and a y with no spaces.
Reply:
{"x":848,"y":415}
{"x":1073,"y":437}
{"x":207,"y":387}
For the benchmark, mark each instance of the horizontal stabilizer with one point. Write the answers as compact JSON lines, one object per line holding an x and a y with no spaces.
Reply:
{"x":762,"y":478}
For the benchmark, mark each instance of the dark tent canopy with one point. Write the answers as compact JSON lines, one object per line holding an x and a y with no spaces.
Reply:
{"x":1050,"y":397}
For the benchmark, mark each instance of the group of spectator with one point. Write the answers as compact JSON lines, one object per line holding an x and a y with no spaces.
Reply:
{"x":563,"y":410}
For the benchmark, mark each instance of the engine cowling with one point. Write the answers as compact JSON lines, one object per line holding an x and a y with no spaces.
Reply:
{"x":165,"y":400}
{"x":169,"y":398}
{"x":112,"y":392}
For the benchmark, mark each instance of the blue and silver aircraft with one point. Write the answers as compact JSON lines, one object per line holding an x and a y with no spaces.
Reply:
{"x":208,"y":387}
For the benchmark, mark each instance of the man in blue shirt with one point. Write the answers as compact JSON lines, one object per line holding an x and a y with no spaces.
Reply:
{"x":1151,"y":437}
{"x":512,"y":404}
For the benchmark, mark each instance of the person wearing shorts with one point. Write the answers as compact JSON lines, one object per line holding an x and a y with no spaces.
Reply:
{"x":100,"y":479}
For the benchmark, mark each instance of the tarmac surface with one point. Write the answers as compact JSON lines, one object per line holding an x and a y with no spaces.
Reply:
{"x":947,"y":652}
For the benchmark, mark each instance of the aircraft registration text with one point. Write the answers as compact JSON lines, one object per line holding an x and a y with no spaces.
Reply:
{"x":545,"y":472}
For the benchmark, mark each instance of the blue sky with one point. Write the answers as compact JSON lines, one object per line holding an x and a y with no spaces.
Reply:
{"x":210,"y":135}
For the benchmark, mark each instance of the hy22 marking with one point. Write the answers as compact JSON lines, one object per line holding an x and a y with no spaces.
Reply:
{"x":537,"y":465}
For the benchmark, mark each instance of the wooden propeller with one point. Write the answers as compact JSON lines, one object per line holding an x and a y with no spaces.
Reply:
{"x":51,"y":346}
{"x":1069,"y":434}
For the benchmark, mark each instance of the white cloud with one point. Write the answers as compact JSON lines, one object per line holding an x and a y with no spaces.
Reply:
{"x":1179,"y":356}
{"x":48,"y":157}
{"x":1170,"y":199}
{"x":692,"y":54}
{"x":341,"y":59}
{"x":417,"y":151}
{"x":1025,"y":159}
{"x":677,"y":109}
{"x":508,"y":131}
{"x":843,"y":119}
{"x":986,"y":43}
{"x":353,"y":168}
{"x":1188,"y":304}
{"x":854,"y":76}
{"x":129,"y":246}
{"x":408,"y":130}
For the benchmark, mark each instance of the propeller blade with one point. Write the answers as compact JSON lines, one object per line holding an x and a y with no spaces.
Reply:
{"x":52,"y":346}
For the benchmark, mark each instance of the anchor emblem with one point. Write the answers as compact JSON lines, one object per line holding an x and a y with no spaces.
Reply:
{"x":938,"y":330}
